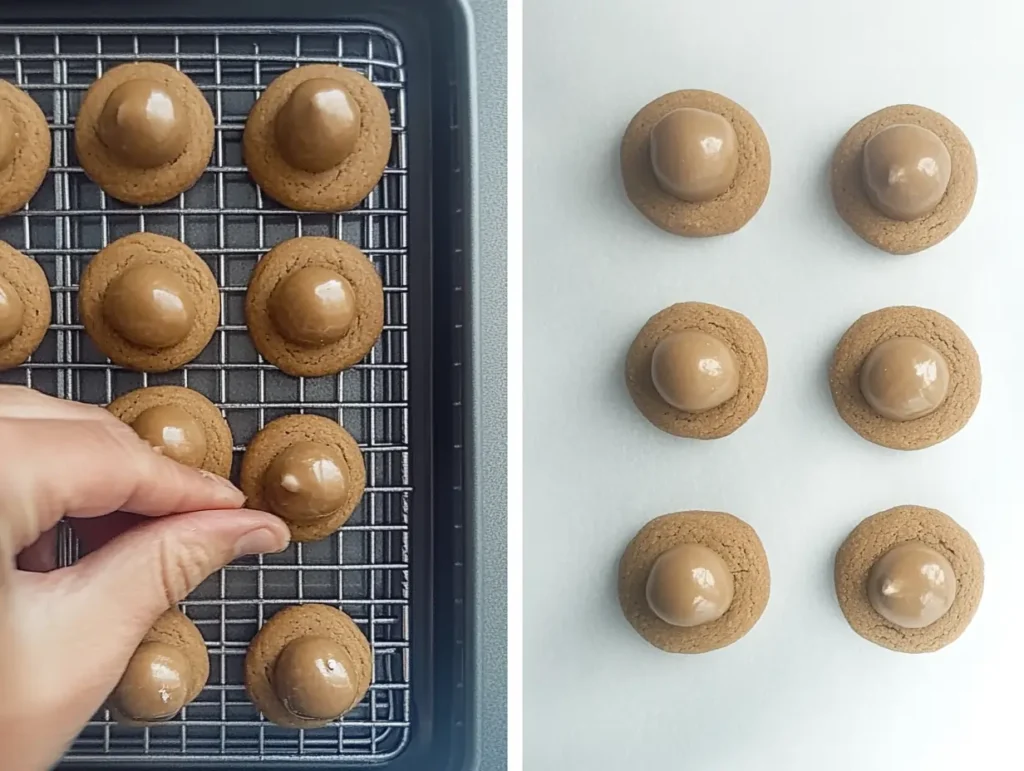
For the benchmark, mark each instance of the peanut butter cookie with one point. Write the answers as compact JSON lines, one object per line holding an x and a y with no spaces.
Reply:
{"x":909,"y":579}
{"x":686,"y":129}
{"x":659,"y":597}
{"x":307,"y":666}
{"x":149,"y":302}
{"x":25,"y":147}
{"x":314,"y":306}
{"x":307,"y":470}
{"x":319,"y":138}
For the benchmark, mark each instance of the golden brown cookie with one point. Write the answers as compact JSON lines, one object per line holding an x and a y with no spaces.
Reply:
{"x":118,"y":297}
{"x":201,"y":437}
{"x":734,"y":541}
{"x":871,"y":329}
{"x":330,"y":353}
{"x":338,"y":187}
{"x":877,"y":535}
{"x":749,"y":354}
{"x":25,"y":146}
{"x":168,"y":671}
{"x":289,"y":625}
{"x":338,"y":453}
{"x":25,"y":306}
{"x":724,"y":213}
{"x":123,"y":169}
{"x":892,"y":235}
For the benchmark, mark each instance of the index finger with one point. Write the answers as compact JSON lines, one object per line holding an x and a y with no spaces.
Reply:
{"x":85,"y":468}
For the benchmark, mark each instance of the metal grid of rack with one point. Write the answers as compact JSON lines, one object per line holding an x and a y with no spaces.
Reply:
{"x":363,"y":569}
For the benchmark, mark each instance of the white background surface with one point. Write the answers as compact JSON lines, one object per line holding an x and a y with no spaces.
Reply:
{"x":802,"y":691}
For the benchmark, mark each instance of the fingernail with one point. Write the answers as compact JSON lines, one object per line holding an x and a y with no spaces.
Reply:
{"x":217,"y":478}
{"x":260,"y":541}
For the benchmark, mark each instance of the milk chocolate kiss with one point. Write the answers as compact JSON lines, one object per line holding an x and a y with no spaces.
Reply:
{"x":171,"y":431}
{"x":305,"y":481}
{"x":906,"y":171}
{"x":694,"y":371}
{"x":311,"y":678}
{"x":904,"y":378}
{"x":912,"y":585}
{"x":155,"y":684}
{"x":8,"y":138}
{"x":150,"y":306}
{"x":317,"y":127}
{"x":143,"y":124}
{"x":313,"y":306}
{"x":689,"y":585}
{"x":12,"y":312}
{"x":694,"y":154}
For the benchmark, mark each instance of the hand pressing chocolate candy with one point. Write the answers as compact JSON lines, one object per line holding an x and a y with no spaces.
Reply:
{"x":63,"y":459}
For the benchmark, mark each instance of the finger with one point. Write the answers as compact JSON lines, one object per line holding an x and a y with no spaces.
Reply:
{"x":41,"y":556}
{"x":130,"y":581}
{"x":21,"y":403}
{"x":87,"y":468}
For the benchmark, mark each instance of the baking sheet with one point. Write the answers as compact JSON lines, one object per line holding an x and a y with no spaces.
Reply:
{"x":802,"y":691}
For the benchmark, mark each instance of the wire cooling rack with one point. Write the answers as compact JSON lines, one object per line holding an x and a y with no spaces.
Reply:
{"x":363,"y":569}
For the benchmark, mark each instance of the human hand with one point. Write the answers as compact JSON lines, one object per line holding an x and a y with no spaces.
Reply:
{"x":66,"y":635}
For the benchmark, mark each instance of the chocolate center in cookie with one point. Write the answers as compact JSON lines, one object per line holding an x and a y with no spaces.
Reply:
{"x":906,"y":171}
{"x":143,"y":124}
{"x":694,"y":154}
{"x":318,"y":126}
{"x":689,"y":585}
{"x":313,"y":306}
{"x":912,"y":585}
{"x":694,"y":371}
{"x":904,"y":378}
{"x":306,"y":481}
{"x":155,"y":684}
{"x":149,"y":305}
{"x":8,"y":138}
{"x":173,"y":432}
{"x":12,"y":311}
{"x":312,"y":680}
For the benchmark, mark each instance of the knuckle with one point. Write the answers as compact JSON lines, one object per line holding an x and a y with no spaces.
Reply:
{"x":183,"y":566}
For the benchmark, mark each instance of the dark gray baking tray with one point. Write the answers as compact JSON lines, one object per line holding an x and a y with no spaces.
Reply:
{"x":399,"y":566}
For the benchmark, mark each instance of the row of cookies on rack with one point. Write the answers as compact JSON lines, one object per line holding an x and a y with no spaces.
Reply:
{"x":317,"y":139}
{"x":314,"y":306}
{"x":307,"y":666}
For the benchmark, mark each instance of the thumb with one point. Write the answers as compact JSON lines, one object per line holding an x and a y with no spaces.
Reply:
{"x":138,"y":575}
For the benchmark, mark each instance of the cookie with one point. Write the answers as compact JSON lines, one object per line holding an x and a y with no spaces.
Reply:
{"x":724,"y":213}
{"x":749,"y":357}
{"x":25,"y":147}
{"x":735,"y":543}
{"x":315,"y":160}
{"x":137,"y":154}
{"x":215,"y":439}
{"x":25,"y":306}
{"x":302,"y":331}
{"x":854,"y":205}
{"x":132,"y":322}
{"x":878,"y":535}
{"x":319,"y":503}
{"x":293,"y":624}
{"x":906,"y":322}
{"x":168,"y":671}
